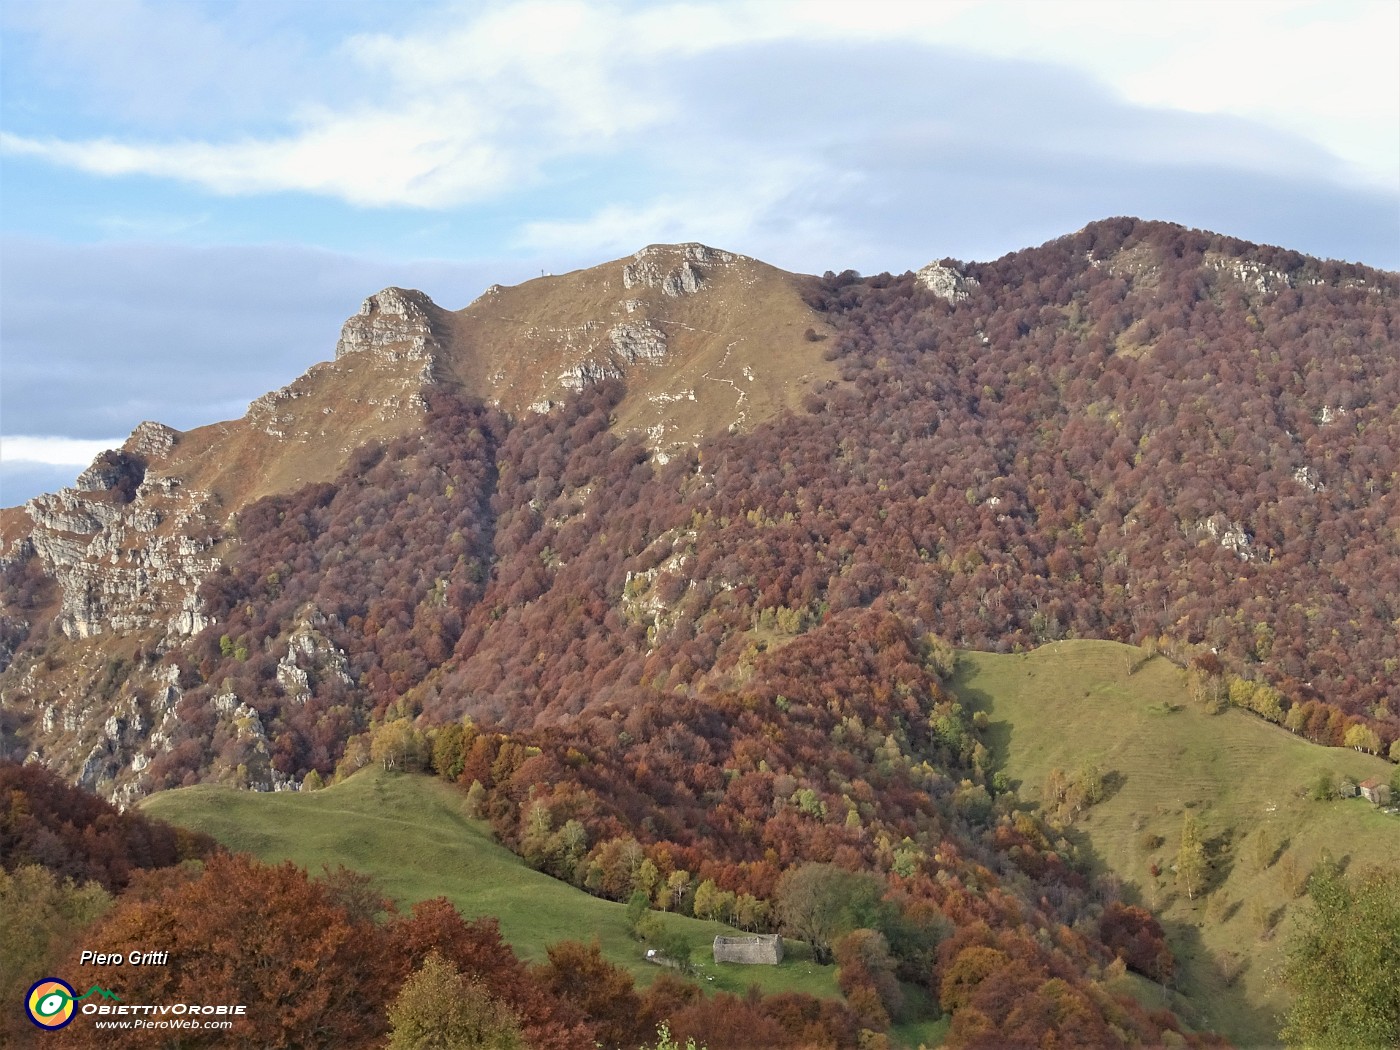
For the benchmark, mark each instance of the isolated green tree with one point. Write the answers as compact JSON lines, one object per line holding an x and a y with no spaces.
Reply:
{"x":817,"y":903}
{"x":1191,"y":858}
{"x":1343,"y":962}
{"x":706,"y":900}
{"x":398,"y":745}
{"x":675,"y":946}
{"x":438,"y":1010}
{"x":1324,"y":789}
{"x":749,"y":912}
{"x":450,"y":750}
{"x":672,"y":894}
{"x":476,"y":799}
{"x":1363,"y":738}
{"x":637,"y":907}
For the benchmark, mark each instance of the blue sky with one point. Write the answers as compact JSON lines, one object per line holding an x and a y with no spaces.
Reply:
{"x":194,"y":195}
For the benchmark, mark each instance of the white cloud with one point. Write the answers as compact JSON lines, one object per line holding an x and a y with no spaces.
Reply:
{"x":470,"y":105}
{"x":372,"y":158}
{"x":54,"y":451}
{"x":151,"y":225}
{"x":1330,"y":73}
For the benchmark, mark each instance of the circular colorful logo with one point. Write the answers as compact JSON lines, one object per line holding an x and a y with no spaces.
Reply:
{"x":50,"y":1003}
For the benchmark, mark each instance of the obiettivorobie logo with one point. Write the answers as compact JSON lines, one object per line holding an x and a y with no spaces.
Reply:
{"x":50,"y":1002}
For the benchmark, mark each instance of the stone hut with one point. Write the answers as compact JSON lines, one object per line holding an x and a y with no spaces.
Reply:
{"x":761,"y":949}
{"x":1376,"y":790}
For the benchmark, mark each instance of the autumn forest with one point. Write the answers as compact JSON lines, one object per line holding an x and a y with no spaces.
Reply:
{"x":719,"y":685}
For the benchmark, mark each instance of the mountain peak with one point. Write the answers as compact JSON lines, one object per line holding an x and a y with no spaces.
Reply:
{"x":396,"y":322}
{"x":705,"y":340}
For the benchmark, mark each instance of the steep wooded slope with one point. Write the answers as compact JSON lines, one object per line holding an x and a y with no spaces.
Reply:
{"x":1138,"y":431}
{"x":726,"y":653}
{"x":707,"y":342}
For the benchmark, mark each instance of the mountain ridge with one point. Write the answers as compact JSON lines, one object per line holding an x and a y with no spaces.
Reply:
{"x":510,"y":347}
{"x":709,"y":663}
{"x":126,"y":549}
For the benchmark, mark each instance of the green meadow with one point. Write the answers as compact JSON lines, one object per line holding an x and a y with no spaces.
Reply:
{"x":413,"y":835}
{"x":1247,"y":781}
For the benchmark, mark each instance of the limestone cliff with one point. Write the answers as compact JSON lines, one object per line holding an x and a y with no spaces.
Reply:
{"x":127,"y":544}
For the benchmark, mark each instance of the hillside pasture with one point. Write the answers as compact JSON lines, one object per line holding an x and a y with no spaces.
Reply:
{"x":413,"y":835}
{"x":1248,"y":782}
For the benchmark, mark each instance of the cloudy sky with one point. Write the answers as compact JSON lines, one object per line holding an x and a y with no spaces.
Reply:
{"x":195,"y":195}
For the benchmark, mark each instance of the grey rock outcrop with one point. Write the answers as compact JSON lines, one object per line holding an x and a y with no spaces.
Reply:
{"x":126,"y":545}
{"x":151,"y":439}
{"x":638,"y":342}
{"x":1232,"y":535}
{"x":310,"y":657}
{"x":946,"y":282}
{"x":672,"y":268}
{"x":1253,"y":274}
{"x":584,"y":373}
{"x":395,"y":323}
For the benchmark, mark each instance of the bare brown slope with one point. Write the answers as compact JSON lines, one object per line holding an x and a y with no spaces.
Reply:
{"x":705,"y":339}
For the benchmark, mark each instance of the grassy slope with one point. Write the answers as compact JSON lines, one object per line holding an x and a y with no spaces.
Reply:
{"x":413,"y":835}
{"x":1072,"y":702}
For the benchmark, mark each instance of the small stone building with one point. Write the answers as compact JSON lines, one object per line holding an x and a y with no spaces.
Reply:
{"x":1376,"y":790}
{"x":760,"y":949}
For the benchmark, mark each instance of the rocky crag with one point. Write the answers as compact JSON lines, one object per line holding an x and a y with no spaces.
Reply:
{"x":705,"y":340}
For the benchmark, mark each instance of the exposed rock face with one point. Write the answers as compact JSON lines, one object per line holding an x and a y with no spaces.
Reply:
{"x":649,"y":268}
{"x":629,"y":343}
{"x":395,"y":323}
{"x":946,"y":282}
{"x":689,"y":307}
{"x":638,"y":342}
{"x":388,"y":352}
{"x":1252,"y":273}
{"x":116,"y":471}
{"x":125,"y":563}
{"x":105,"y":731}
{"x":586,"y":373}
{"x":1231,"y":535}
{"x":151,"y":439}
{"x":674,"y":271}
{"x":310,"y":656}
{"x":256,"y":772}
